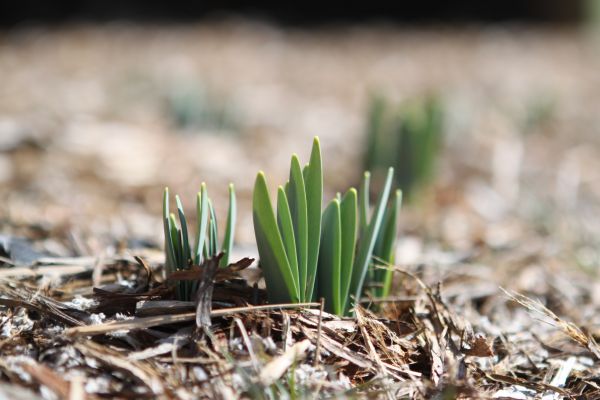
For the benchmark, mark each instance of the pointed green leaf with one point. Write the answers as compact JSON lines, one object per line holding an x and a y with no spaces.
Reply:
{"x":175,"y":235}
{"x":176,"y":239}
{"x":277,"y":272}
{"x":169,"y":249}
{"x":286,"y":229}
{"x":330,"y":258}
{"x":313,"y":175}
{"x":367,"y":241}
{"x":184,"y":232}
{"x":202,"y":211}
{"x":348,"y":211}
{"x":213,"y":242}
{"x":229,"y":228}
{"x":298,"y":210}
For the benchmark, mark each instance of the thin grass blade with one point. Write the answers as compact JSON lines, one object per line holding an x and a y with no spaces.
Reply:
{"x":213,"y":234}
{"x":202,"y":211}
{"x":169,"y":249}
{"x":175,"y":239}
{"x":367,"y":242}
{"x":229,"y":228}
{"x":185,"y":242}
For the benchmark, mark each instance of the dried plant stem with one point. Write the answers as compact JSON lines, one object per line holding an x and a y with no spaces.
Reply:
{"x":146,"y":322}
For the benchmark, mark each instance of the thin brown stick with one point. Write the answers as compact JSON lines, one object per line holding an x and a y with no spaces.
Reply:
{"x":246,"y":339}
{"x":146,"y":322}
{"x":318,"y":345}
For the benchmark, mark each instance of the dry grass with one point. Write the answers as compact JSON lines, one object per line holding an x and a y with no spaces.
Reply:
{"x":56,"y":339}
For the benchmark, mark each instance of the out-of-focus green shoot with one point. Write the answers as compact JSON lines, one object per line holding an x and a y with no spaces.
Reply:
{"x":407,"y":137}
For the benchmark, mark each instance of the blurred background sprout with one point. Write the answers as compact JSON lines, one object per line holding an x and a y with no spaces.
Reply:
{"x":192,"y":106}
{"x":407,"y":136}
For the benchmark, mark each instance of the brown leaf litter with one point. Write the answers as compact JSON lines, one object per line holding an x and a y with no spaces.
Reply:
{"x":129,"y":339}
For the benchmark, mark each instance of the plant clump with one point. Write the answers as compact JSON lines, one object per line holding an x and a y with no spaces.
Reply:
{"x":308,"y":253}
{"x":180,"y":254}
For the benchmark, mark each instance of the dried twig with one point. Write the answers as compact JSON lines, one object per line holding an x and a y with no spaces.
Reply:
{"x":318,"y":352}
{"x":146,"y":322}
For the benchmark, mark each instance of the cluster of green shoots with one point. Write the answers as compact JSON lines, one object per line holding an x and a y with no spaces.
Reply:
{"x":339,"y":253}
{"x":308,"y":253}
{"x":181,"y":252}
{"x":407,"y":137}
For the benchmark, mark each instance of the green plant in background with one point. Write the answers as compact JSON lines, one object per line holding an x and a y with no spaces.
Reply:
{"x":540,"y":110}
{"x":300,"y":242}
{"x":179,"y":252}
{"x":407,"y":137}
{"x":592,"y":15}
{"x":193,"y":106}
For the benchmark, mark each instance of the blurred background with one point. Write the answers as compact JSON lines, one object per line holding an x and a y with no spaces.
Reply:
{"x":488,"y":111}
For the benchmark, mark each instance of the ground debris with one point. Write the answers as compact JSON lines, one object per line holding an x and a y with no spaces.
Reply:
{"x":62,"y":337}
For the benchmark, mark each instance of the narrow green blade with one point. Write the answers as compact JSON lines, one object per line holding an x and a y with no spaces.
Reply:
{"x":175,"y":239}
{"x":229,"y":228}
{"x":348,"y":211}
{"x":202,"y":211}
{"x":385,"y":246}
{"x":177,"y":249}
{"x":184,"y":233}
{"x":367,"y":241}
{"x":313,"y":175}
{"x":169,"y":249}
{"x":213,"y":241}
{"x":364,"y":203}
{"x":277,"y":272}
{"x":298,"y":210}
{"x":330,"y":259}
{"x":286,"y":229}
